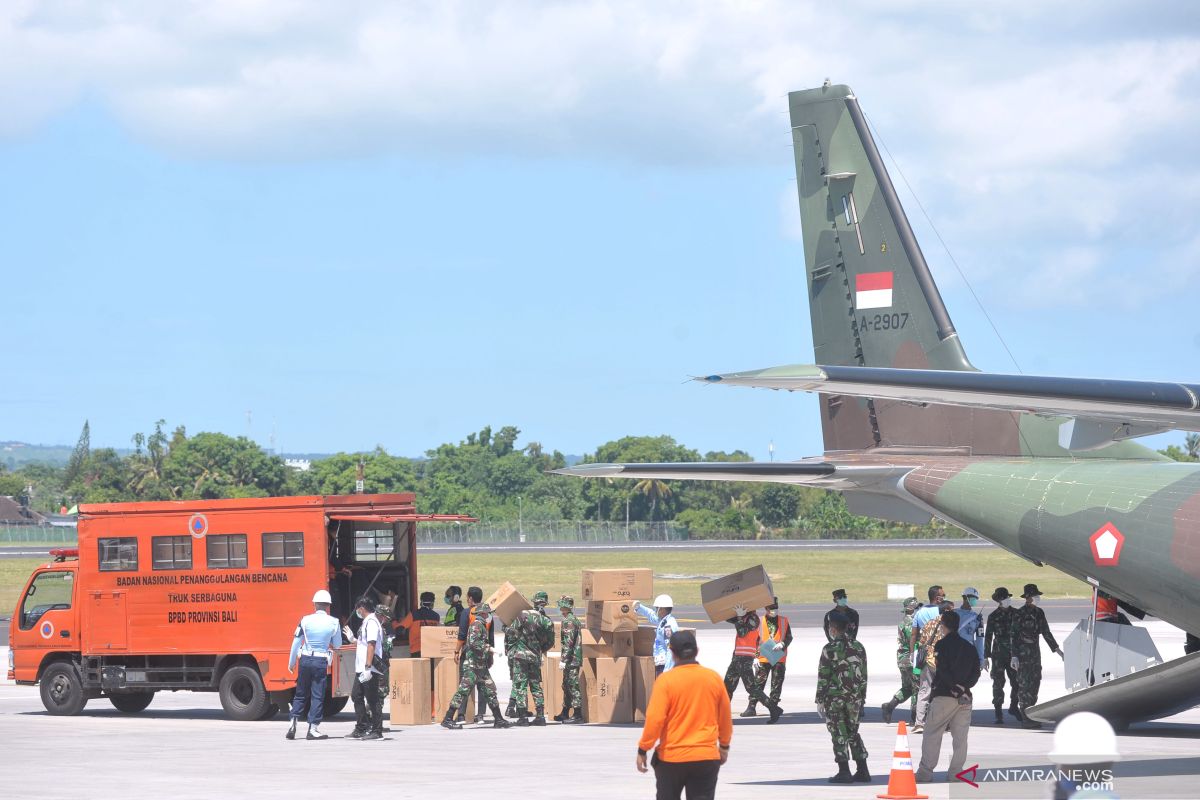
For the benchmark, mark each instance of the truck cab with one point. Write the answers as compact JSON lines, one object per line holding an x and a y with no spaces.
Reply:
{"x":44,"y":631}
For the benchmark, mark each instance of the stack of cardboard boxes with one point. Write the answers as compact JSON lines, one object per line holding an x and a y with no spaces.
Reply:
{"x":421,"y":689}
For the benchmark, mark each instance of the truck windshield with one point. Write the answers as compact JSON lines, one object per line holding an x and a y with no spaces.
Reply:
{"x":50,"y":591}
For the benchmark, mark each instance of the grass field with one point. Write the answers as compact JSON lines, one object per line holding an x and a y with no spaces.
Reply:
{"x":799,"y":576}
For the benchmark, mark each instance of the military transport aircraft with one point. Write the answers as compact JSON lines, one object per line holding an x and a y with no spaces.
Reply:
{"x":1042,"y":466}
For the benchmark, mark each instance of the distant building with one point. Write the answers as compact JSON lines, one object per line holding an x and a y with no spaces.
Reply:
{"x":298,"y":464}
{"x":13,"y":512}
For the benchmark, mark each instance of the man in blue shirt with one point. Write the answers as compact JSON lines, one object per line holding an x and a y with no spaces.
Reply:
{"x":662,"y":618}
{"x":316,"y":637}
{"x":925,"y":614}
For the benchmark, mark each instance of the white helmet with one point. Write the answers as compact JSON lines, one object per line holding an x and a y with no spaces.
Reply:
{"x":663,"y":601}
{"x":1084,"y":738}
{"x":322,"y":596}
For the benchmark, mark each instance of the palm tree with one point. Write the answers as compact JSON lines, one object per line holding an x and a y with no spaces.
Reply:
{"x":654,"y":489}
{"x":1192,"y":443}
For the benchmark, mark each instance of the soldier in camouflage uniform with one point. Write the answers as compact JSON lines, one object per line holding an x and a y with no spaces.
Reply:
{"x":904,"y":663}
{"x":1029,"y":622}
{"x":535,"y":639}
{"x":741,"y":666}
{"x":996,"y":648}
{"x":570,"y":662}
{"x":474,"y":663}
{"x":841,"y":691}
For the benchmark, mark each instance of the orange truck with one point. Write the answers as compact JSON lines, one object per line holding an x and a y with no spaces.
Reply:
{"x":205,"y":596}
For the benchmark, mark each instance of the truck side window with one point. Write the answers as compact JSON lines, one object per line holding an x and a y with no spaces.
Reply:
{"x":172,"y":552}
{"x":227,"y":551}
{"x":118,"y":554}
{"x":283,"y":549}
{"x":50,"y":591}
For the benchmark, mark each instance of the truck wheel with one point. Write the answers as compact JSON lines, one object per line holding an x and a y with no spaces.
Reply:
{"x":131,"y":702}
{"x":333,"y":706}
{"x":271,"y":712}
{"x":62,"y":690}
{"x":243,"y":695}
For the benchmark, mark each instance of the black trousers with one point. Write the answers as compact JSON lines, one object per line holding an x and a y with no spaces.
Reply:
{"x":697,"y":778}
{"x":368,"y":703}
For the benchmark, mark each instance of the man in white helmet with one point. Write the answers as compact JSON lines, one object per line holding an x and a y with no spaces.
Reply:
{"x":661,"y":617}
{"x":314,"y":641}
{"x":1085,"y":748}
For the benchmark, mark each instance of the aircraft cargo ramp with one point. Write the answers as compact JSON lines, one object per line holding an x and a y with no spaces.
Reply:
{"x":1152,"y":693}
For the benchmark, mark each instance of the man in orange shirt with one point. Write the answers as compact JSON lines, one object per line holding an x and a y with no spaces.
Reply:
{"x":689,"y":724}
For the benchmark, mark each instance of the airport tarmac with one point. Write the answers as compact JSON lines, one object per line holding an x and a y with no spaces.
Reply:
{"x":182,"y":747}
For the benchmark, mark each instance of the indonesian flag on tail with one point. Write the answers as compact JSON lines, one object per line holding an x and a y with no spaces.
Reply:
{"x":873,"y":290}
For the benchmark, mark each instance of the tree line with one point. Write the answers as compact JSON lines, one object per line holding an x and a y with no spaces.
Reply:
{"x":488,"y":475}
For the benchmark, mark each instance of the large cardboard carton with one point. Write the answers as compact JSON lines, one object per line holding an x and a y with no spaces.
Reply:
{"x":439,"y":641}
{"x":611,"y":616}
{"x":643,"y":640}
{"x":445,"y":684}
{"x":507,"y":602}
{"x":410,"y":692}
{"x":551,"y":685}
{"x":609,"y":690}
{"x":750,"y":588}
{"x":603,"y":644}
{"x":643,"y":684}
{"x":617,"y":584}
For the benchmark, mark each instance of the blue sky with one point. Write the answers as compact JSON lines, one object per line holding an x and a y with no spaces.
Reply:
{"x":393,"y":227}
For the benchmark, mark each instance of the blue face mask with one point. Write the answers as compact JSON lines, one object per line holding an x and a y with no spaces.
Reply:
{"x":843,"y":601}
{"x":971,"y":601}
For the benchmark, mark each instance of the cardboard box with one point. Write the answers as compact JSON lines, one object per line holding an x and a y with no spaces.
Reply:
{"x":643,"y":640}
{"x":609,"y":690}
{"x":643,"y":676}
{"x":439,"y":641}
{"x":410,"y":692}
{"x":750,"y":588}
{"x":617,"y":584}
{"x":445,"y":684}
{"x":606,"y":645}
{"x":611,"y":616}
{"x":507,"y":602}
{"x":551,"y":686}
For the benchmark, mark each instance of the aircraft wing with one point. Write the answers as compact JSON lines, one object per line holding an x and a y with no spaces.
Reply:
{"x":1102,"y":410}
{"x":808,"y":472}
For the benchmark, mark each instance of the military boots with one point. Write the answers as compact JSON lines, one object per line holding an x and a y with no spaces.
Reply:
{"x":887,"y":709}
{"x":843,"y":773}
{"x":862,"y":774}
{"x":449,"y":722}
{"x":540,"y":718}
{"x":499,"y":720}
{"x":562,"y":716}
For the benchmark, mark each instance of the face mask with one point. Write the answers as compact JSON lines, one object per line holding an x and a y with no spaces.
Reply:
{"x":843,"y":601}
{"x":447,"y":601}
{"x":772,"y":612}
{"x":360,"y":615}
{"x":1004,"y":604}
{"x":426,"y":605}
{"x":1035,"y":599}
{"x":971,"y":601}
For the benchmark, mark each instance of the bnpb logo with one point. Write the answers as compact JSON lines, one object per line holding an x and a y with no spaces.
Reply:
{"x":198,"y":526}
{"x":46,"y":629}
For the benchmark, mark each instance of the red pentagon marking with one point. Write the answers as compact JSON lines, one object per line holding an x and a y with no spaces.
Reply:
{"x":1106,"y":545}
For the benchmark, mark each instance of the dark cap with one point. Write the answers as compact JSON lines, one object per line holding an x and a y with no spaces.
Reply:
{"x":1001,"y":594}
{"x":1031,"y":589}
{"x":427,"y":597}
{"x":838,"y":593}
{"x":683,"y":644}
{"x":951,"y":620}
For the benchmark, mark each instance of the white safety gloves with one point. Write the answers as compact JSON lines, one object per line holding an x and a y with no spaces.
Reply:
{"x":739,"y":611}
{"x":1015,"y":663}
{"x":364,"y":676}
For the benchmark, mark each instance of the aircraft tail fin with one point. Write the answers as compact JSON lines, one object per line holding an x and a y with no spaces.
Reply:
{"x":872,"y":296}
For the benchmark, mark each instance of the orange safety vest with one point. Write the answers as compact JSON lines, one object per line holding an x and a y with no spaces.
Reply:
{"x":1106,"y":609}
{"x":471,"y":619}
{"x":746,"y":645}
{"x":781,"y":628}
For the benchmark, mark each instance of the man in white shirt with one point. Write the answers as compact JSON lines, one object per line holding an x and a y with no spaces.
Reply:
{"x":367,"y":693}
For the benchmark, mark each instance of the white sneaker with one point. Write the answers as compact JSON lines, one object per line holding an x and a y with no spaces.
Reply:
{"x":314,"y":732}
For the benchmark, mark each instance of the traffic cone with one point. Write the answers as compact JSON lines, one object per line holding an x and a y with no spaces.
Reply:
{"x":902,"y":783}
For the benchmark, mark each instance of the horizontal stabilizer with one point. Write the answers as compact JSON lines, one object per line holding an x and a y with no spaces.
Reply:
{"x":809,"y":472}
{"x":1103,"y":410}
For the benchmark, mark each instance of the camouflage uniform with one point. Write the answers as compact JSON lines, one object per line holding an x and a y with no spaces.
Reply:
{"x":998,"y":647}
{"x":475,"y":667}
{"x":841,"y":691}
{"x":572,"y":659}
{"x":526,"y":658}
{"x":1028,"y":623}
{"x":741,"y":668}
{"x":908,"y":688}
